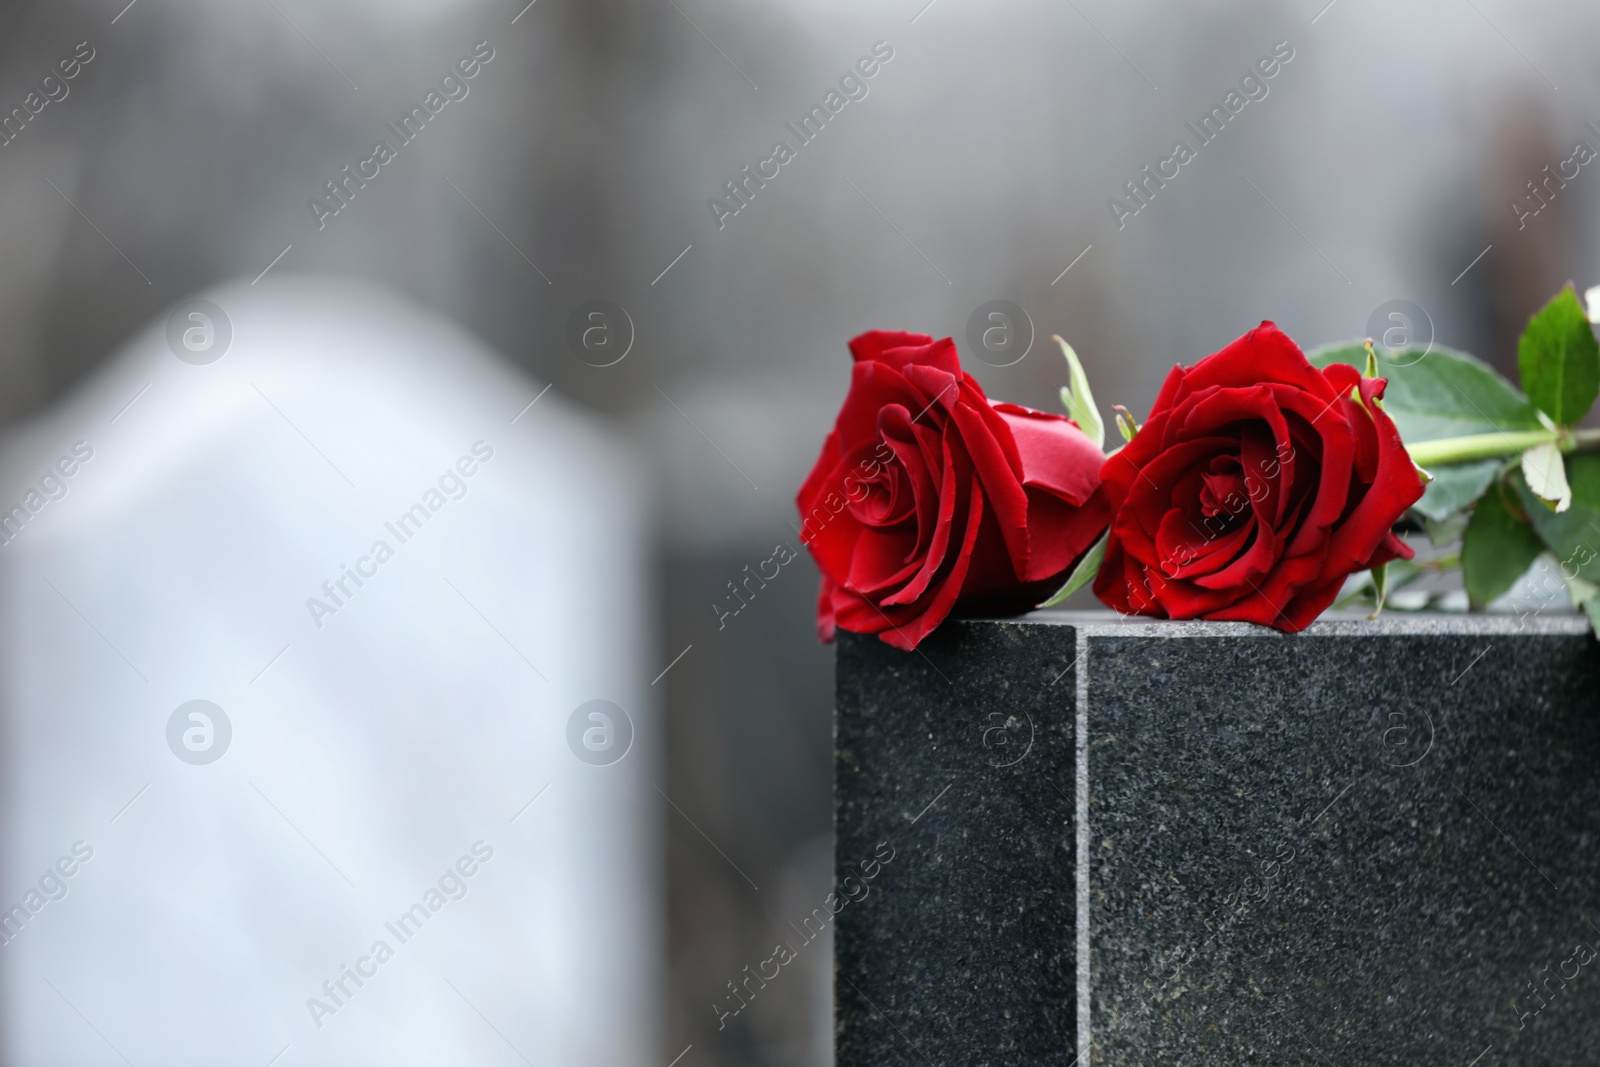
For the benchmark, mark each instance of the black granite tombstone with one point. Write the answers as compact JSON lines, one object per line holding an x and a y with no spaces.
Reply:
{"x":1124,"y":842}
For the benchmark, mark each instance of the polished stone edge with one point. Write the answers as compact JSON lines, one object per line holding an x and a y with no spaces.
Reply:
{"x":1080,"y":826}
{"x":1397,"y":624}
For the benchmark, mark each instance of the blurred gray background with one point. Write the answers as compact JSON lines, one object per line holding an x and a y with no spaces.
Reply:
{"x":1381,"y":165}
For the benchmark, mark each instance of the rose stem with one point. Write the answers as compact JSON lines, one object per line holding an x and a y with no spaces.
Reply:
{"x":1447,"y":450}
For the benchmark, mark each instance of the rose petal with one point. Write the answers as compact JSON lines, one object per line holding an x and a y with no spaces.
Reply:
{"x":1059,"y":532}
{"x":899,"y":349}
{"x":827,"y":626}
{"x":1395,"y":488}
{"x":1000,"y":480}
{"x":1055,"y":454}
{"x":910,"y":634}
{"x":957,"y":474}
{"x":873,"y":387}
{"x":1265,"y":354}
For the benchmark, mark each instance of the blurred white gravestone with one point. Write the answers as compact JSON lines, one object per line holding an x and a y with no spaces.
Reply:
{"x":296,"y":634}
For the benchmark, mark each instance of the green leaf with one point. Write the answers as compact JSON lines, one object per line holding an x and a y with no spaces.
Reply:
{"x":1591,"y":608}
{"x":1439,"y":392}
{"x":1581,"y":591}
{"x":1583,"y":476}
{"x":1545,"y":474}
{"x":1454,"y":488}
{"x":1380,"y":585}
{"x":1497,"y":550}
{"x":1585,"y":595}
{"x":1573,"y":536}
{"x":1083,"y":573}
{"x":1559,"y":359}
{"x":1397,"y":574}
{"x":1079,"y":400}
{"x":1447,"y":531}
{"x":1357,"y":587}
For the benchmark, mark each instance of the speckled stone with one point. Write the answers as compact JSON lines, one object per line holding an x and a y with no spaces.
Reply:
{"x":1209,"y":844}
{"x":960,"y":756}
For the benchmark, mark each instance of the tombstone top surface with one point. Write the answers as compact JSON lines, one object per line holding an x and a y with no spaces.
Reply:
{"x":1335,"y":624}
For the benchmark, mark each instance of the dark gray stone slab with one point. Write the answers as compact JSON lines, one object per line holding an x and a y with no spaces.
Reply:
{"x":1165,"y":843}
{"x":960,"y":756}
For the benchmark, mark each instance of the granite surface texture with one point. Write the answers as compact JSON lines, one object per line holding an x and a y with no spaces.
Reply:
{"x":1164,"y":843}
{"x":960,"y":756}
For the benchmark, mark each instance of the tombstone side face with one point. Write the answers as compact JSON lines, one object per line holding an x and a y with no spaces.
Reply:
{"x":1346,"y":849}
{"x":958,"y":760}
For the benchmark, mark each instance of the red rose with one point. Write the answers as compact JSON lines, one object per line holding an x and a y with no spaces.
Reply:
{"x":927,"y":494}
{"x":1258,"y":485}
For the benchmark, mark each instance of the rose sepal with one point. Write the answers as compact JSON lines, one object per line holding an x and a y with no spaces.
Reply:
{"x":1078,"y":398}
